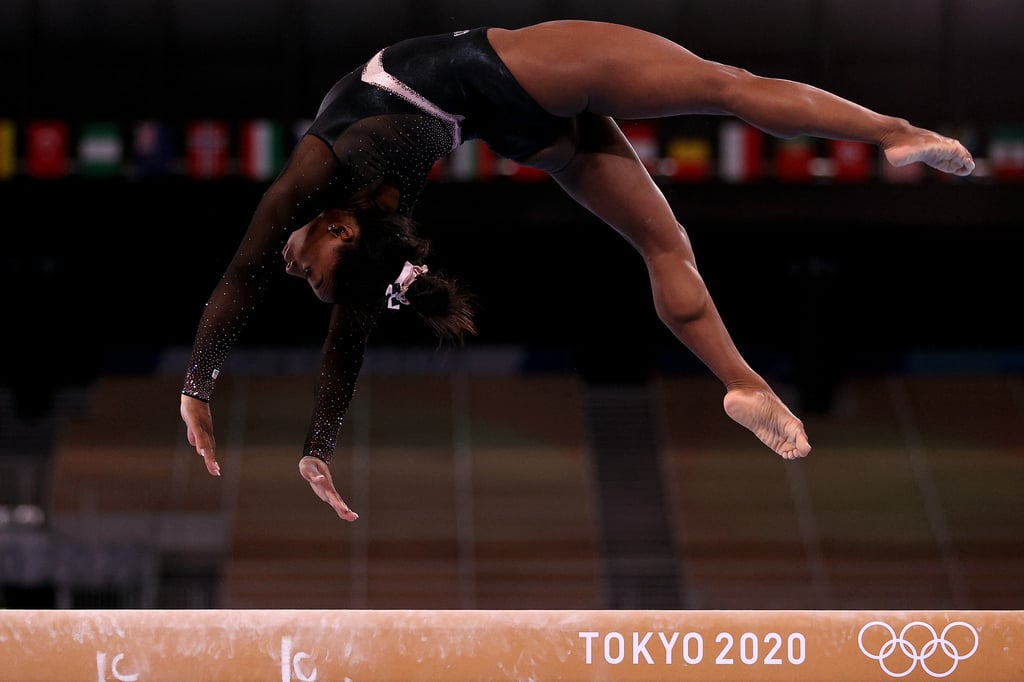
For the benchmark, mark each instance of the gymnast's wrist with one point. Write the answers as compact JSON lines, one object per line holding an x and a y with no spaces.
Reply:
{"x":324,"y":457}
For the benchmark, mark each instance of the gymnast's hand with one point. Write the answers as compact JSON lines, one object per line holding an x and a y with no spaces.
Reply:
{"x":318,"y":474}
{"x":199,"y":426}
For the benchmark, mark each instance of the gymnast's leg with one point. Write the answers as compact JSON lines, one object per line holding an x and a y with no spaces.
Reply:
{"x":605,"y":176}
{"x":574,"y":66}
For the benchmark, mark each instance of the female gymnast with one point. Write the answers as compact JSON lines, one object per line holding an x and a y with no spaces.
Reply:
{"x":545,"y":96}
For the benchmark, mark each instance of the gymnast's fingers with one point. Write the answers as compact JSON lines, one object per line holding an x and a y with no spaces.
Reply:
{"x":211,"y":460}
{"x":318,"y":475}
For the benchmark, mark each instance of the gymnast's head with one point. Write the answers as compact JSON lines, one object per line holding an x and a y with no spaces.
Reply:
{"x":316,"y":251}
{"x":356,"y":255}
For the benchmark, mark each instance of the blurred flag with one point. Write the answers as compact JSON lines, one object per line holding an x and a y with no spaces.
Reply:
{"x":261,"y":149}
{"x":100,"y":149}
{"x":793,"y":159}
{"x":8,"y":149}
{"x":1006,"y":153}
{"x":908,"y":174}
{"x":152,"y":146}
{"x":740,"y":152}
{"x":439,"y":170}
{"x":643,"y":137}
{"x":206,"y":149}
{"x":851,"y":161}
{"x":472,"y":160}
{"x":689,"y":158}
{"x":520,"y":173}
{"x":46,"y":149}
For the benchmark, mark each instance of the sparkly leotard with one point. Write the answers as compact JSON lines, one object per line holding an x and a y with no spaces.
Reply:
{"x":393,"y":118}
{"x":417,"y":100}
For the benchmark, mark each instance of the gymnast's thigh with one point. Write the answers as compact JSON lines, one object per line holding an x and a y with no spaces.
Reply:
{"x":607,"y":177}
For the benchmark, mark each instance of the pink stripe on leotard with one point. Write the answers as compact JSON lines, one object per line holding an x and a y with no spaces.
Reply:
{"x":374,"y":74}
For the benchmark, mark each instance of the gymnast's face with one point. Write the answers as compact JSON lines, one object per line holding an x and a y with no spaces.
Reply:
{"x":312,"y":251}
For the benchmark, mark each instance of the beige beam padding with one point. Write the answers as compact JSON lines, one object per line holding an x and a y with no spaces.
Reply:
{"x":393,"y":645}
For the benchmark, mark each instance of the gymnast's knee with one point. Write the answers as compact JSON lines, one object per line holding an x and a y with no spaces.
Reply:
{"x":685,"y":302}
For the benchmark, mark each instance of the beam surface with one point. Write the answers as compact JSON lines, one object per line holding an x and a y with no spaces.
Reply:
{"x":320,"y":646}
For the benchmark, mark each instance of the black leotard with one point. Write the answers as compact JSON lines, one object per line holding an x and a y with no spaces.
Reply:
{"x":392,"y":118}
{"x":415,"y":101}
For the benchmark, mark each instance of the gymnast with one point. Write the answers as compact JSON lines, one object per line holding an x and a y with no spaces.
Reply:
{"x":545,"y":96}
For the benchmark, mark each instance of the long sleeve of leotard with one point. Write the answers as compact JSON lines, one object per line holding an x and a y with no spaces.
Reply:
{"x":240,"y":290}
{"x":331,"y":161}
{"x":291,"y":201}
{"x":343,"y":353}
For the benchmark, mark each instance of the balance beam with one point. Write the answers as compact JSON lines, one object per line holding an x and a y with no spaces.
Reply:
{"x":393,"y":645}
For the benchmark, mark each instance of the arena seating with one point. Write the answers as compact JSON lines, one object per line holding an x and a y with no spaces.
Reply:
{"x":476,"y":491}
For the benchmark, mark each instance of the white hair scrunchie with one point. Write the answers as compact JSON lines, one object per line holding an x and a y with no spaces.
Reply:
{"x":396,"y":292}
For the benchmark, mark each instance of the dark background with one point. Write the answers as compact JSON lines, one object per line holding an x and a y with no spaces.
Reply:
{"x":813,"y":280}
{"x":911,"y":498}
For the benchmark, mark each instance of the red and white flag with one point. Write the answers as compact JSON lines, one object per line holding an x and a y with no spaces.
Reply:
{"x":206,"y":144}
{"x":46,"y":149}
{"x":740,"y":152}
{"x":643,"y":137}
{"x":851,"y":161}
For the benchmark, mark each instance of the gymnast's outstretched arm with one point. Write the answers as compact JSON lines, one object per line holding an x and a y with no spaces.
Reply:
{"x":343,"y":353}
{"x":291,"y":200}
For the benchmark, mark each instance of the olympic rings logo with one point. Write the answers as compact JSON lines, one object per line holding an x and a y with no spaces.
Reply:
{"x":934,"y":643}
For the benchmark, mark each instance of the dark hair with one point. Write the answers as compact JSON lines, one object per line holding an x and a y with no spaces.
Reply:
{"x":388,"y":240}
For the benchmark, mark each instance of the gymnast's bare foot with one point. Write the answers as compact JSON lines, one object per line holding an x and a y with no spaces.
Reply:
{"x":917,"y":144}
{"x":763,"y":413}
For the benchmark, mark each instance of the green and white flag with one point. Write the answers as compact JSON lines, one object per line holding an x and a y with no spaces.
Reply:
{"x":100,"y":149}
{"x":261,"y":149}
{"x":1006,"y":153}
